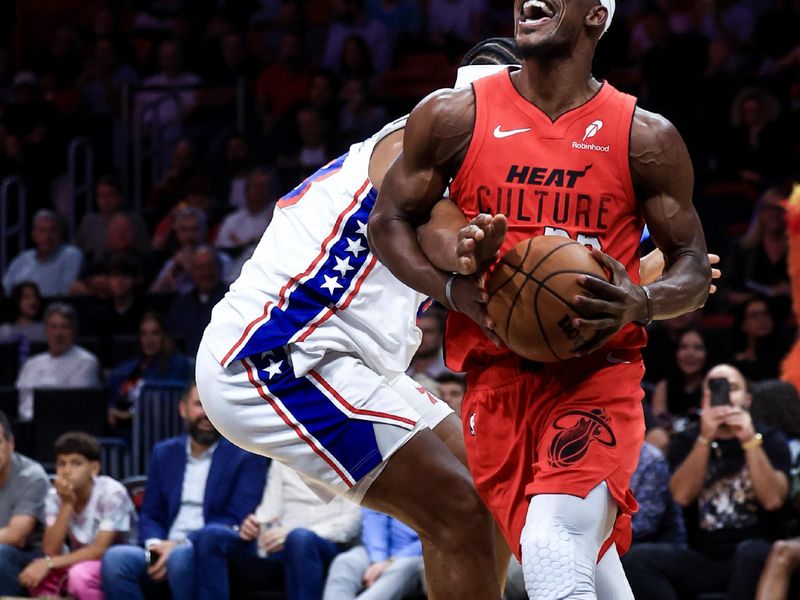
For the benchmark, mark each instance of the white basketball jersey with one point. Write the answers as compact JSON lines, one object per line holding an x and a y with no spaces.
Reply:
{"x":314,"y":285}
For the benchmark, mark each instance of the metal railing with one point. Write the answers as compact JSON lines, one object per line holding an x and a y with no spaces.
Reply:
{"x":155,"y":418}
{"x":80,"y":154}
{"x":114,"y":457}
{"x":9,"y":185}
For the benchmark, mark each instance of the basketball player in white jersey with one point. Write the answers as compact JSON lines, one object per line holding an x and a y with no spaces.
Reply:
{"x":304,"y":358}
{"x":303,"y":361}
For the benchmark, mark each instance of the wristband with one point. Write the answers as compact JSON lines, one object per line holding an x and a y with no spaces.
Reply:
{"x":448,"y":291}
{"x":49,"y":561}
{"x":703,"y":441}
{"x":649,"y":302}
{"x":753,"y":442}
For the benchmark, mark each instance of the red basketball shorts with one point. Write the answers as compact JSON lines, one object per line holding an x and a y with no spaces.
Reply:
{"x":562,"y":430}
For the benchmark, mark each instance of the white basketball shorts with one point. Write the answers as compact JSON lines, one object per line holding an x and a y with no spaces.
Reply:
{"x":337,"y":425}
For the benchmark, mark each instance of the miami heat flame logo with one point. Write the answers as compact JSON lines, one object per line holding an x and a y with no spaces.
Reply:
{"x":577,"y":430}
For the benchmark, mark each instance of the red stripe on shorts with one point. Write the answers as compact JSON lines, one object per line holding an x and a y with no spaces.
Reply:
{"x":359,"y":411}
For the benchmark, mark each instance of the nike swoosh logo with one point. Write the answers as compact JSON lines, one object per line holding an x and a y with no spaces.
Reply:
{"x":616,"y":361}
{"x":500,"y":134}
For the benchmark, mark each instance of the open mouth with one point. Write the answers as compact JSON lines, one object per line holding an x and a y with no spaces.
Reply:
{"x":536,"y":12}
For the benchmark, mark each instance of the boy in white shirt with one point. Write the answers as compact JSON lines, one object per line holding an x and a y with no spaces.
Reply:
{"x":85,"y":511}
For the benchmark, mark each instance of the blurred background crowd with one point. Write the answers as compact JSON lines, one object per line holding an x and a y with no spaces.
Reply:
{"x":144,"y":143}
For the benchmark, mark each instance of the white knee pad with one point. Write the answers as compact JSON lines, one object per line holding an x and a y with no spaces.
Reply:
{"x":560,"y":543}
{"x":549,"y":565}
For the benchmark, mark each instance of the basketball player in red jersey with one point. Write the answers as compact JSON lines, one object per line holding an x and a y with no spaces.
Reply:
{"x":552,"y":447}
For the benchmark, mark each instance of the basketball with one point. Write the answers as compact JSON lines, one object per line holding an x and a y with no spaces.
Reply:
{"x":531,"y":292}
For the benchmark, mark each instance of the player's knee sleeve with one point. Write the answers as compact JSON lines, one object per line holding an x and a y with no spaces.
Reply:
{"x":560,"y":543}
{"x":549,"y":563}
{"x":610,"y":579}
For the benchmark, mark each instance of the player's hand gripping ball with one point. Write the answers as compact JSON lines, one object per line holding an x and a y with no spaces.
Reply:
{"x":531,"y":292}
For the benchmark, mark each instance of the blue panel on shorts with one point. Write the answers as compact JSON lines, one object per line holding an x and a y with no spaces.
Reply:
{"x":310,"y":297}
{"x":351,"y":441}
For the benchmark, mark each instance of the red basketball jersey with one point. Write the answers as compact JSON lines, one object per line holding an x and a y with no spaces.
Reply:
{"x":567,"y":177}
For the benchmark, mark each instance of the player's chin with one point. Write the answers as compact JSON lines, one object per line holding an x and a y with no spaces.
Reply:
{"x":531,"y":46}
{"x":537,"y":41}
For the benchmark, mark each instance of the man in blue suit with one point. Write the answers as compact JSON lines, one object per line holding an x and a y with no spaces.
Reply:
{"x":192,"y":481}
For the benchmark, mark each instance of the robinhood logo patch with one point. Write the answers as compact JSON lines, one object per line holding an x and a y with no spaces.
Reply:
{"x":592,"y":129}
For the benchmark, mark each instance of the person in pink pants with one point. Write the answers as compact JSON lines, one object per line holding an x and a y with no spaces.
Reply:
{"x":86,"y":513}
{"x":81,"y":581}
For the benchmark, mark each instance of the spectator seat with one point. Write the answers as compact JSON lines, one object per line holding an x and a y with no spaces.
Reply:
{"x":9,"y":363}
{"x":136,"y":485}
{"x":59,"y":410}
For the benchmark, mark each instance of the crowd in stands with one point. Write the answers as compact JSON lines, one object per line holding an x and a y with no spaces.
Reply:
{"x":238,"y":102}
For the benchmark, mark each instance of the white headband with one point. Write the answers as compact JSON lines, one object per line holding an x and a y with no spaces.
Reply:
{"x":610,"y":6}
{"x":470,"y":73}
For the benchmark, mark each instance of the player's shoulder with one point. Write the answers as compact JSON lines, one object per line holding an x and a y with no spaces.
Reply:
{"x":658,"y":155}
{"x":651,"y":130}
{"x":445,"y":109}
{"x":439,"y":128}
{"x":442,"y":98}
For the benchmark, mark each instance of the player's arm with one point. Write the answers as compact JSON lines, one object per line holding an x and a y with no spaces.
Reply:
{"x":662,"y":170}
{"x":436,"y":136}
{"x":651,"y":267}
{"x":455,"y":245}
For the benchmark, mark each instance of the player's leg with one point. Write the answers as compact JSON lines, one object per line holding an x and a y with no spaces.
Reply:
{"x":588,"y":437}
{"x":426,"y":485}
{"x":502,"y":557}
{"x":610,"y":579}
{"x":450,"y":432}
{"x":448,"y":427}
{"x":610,"y":582}
{"x":496,"y":434}
{"x":561,"y":541}
{"x":346,"y":431}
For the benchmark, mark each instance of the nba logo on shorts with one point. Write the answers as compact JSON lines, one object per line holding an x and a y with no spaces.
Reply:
{"x":472,"y":424}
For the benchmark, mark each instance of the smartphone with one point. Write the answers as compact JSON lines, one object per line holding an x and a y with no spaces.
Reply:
{"x":151,"y":556}
{"x":720,"y":389}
